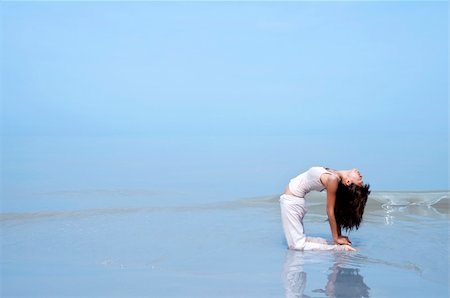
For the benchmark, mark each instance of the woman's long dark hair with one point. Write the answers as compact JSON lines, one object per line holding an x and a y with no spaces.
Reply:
{"x":349,"y":206}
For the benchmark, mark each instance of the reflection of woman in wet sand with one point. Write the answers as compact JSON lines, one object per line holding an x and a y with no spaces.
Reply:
{"x":346,"y":282}
{"x":346,"y":199}
{"x":342,"y":281}
{"x":294,"y":276}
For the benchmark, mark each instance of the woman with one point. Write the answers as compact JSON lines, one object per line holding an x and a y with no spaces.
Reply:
{"x":346,"y":199}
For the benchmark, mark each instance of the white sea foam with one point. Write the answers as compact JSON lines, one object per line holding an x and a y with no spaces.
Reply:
{"x":426,"y":198}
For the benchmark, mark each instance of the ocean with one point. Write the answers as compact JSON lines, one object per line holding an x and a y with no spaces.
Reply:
{"x":101,"y":218}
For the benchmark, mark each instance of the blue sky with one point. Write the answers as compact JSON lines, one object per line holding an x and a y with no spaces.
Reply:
{"x":354,"y":74}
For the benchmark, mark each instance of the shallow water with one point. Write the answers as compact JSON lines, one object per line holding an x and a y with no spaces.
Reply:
{"x":114,"y":220}
{"x":223,"y":249}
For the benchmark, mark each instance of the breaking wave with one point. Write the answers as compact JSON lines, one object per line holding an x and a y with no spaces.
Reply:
{"x":426,"y":198}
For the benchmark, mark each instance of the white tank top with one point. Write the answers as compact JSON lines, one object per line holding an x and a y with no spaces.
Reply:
{"x":307,"y":181}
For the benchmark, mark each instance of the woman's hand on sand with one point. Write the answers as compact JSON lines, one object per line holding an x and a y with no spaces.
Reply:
{"x":343,"y":240}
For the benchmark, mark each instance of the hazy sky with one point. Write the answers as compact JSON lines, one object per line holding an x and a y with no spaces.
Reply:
{"x":370,"y":74}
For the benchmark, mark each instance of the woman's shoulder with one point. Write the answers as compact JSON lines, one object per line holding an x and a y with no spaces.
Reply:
{"x":329,"y":179}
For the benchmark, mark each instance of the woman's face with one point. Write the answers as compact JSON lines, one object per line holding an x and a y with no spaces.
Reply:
{"x":355,"y":177}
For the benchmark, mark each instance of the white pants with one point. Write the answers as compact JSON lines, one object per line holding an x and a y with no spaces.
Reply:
{"x":292,"y":212}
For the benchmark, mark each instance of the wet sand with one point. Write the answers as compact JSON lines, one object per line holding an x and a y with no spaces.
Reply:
{"x":228,"y":249}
